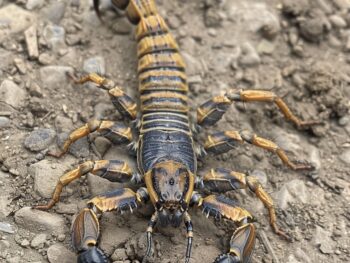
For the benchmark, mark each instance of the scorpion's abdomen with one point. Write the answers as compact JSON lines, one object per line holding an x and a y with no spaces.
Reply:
{"x":157,"y":146}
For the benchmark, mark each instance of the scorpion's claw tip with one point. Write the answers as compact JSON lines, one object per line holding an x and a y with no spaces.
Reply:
{"x":227,"y":258}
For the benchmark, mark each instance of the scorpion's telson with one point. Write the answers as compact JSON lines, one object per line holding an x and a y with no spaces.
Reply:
{"x":167,"y":161}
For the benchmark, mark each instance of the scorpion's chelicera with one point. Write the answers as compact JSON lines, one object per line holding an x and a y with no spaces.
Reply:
{"x":166,"y":152}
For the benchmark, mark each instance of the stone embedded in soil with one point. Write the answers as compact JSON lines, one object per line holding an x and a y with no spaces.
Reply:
{"x":39,"y":139}
{"x":295,"y":7}
{"x":38,"y":241}
{"x":6,"y":228}
{"x":294,"y":191}
{"x":119,"y":255}
{"x":122,"y":26}
{"x":55,"y":11}
{"x":12,"y":93}
{"x":54,"y":36}
{"x":322,"y":239}
{"x":46,"y":174}
{"x":15,"y":20}
{"x":34,"y":4}
{"x":95,"y":65}
{"x":194,"y":66}
{"x":58,"y":253}
{"x":4,"y":122}
{"x":337,"y":21}
{"x":313,"y":29}
{"x":250,"y":56}
{"x":102,"y":145}
{"x":345,"y":156}
{"x":32,"y":42}
{"x":55,"y":76}
{"x":38,"y":221}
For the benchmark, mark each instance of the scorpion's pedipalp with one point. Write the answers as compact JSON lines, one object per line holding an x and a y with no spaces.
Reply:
{"x":221,"y":142}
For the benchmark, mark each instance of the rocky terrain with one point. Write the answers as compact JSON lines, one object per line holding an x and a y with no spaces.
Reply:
{"x":299,"y":49}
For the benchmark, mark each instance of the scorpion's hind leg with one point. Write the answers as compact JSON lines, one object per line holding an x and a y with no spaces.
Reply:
{"x":116,"y":132}
{"x":114,"y":171}
{"x":243,"y":239}
{"x":222,"y":142}
{"x":221,"y":180}
{"x":86,"y":229}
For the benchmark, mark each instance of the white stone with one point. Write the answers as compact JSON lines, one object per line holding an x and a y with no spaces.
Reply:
{"x":294,"y":191}
{"x":58,"y":253}
{"x":12,"y":93}
{"x":38,"y":221}
{"x":55,"y":76}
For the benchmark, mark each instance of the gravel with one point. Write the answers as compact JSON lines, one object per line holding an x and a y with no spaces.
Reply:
{"x":39,"y":140}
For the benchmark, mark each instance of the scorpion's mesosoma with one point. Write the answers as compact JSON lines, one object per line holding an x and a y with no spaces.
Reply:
{"x":166,"y":155}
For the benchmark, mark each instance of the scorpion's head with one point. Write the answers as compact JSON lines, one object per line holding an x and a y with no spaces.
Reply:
{"x":170,"y":186}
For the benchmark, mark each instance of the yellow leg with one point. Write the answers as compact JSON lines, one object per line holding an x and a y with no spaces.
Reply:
{"x":223,"y":180}
{"x":116,"y":132}
{"x":115,"y":171}
{"x":124,"y":103}
{"x":221,"y":142}
{"x":267,"y":96}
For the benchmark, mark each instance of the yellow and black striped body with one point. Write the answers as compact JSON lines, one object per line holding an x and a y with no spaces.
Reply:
{"x":165,"y":130}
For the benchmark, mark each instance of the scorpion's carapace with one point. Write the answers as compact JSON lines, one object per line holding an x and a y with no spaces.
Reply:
{"x":165,"y":148}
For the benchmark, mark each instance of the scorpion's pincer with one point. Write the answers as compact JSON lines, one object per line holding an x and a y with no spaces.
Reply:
{"x":227,"y":258}
{"x":92,"y":255}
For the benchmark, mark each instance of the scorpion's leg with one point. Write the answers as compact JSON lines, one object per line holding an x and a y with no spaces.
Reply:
{"x":211,"y":111}
{"x":126,"y":106}
{"x":116,"y":132}
{"x":222,"y":142}
{"x":243,"y":238}
{"x":114,"y":171}
{"x":222,"y":180}
{"x":86,"y":229}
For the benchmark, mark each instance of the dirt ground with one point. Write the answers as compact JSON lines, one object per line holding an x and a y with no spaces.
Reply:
{"x":299,"y":49}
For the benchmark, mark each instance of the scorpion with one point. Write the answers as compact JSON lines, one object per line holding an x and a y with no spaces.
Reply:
{"x":166,"y":150}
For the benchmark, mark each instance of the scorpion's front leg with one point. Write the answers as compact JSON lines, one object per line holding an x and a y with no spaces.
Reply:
{"x":211,"y":111}
{"x":86,"y":229}
{"x":116,"y":132}
{"x":243,"y":238}
{"x":222,"y":142}
{"x":114,"y":171}
{"x":221,"y":180}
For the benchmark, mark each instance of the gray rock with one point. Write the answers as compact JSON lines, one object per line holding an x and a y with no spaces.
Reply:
{"x":342,"y":4}
{"x":63,"y":124}
{"x":46,"y":59}
{"x":54,"y":37}
{"x":249,"y":55}
{"x":20,"y":65}
{"x":265,"y":47}
{"x":35,"y":90}
{"x":38,"y":241}
{"x":34,"y":4}
{"x":32,"y":42}
{"x":322,"y":239}
{"x":194,"y":66}
{"x":113,"y":237}
{"x":6,"y":192}
{"x":55,"y":76}
{"x":46,"y":175}
{"x":69,"y":209}
{"x":6,"y":58}
{"x":4,"y":122}
{"x":261,"y":176}
{"x":11,"y":93}
{"x":95,"y":65}
{"x":294,"y":191}
{"x":222,"y":61}
{"x":79,"y":149}
{"x":345,"y":156}
{"x":16,"y":18}
{"x":122,"y":27}
{"x":98,"y":185}
{"x":58,"y":253}
{"x":313,"y":29}
{"x":39,"y":140}
{"x":295,"y":7}
{"x":337,"y":21}
{"x":102,"y":145}
{"x":6,"y":228}
{"x":38,"y":221}
{"x":119,"y":255}
{"x":55,"y":11}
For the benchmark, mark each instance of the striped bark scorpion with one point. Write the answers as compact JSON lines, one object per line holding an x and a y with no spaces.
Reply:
{"x":166,"y":152}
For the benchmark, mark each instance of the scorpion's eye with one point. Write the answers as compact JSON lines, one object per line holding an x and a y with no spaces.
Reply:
{"x":171,"y":181}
